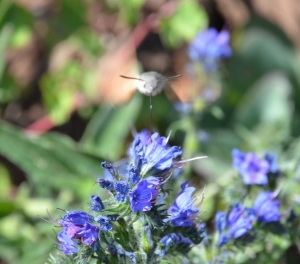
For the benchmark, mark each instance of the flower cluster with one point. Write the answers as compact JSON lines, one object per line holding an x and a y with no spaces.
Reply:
{"x":239,"y":220}
{"x":209,"y":47}
{"x":239,"y":223}
{"x":252,"y":169}
{"x":136,"y":187}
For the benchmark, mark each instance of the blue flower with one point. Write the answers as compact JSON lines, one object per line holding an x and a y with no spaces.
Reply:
{"x":209,"y":47}
{"x":122,"y":189}
{"x":141,"y":198}
{"x":134,"y":175}
{"x":78,"y":218}
{"x":267,"y":208}
{"x":153,"y":153}
{"x":110,"y":168}
{"x":105,"y":184}
{"x":220,"y":221}
{"x":104,"y":223}
{"x":183,"y":207}
{"x":223,"y":239}
{"x":174,"y":240}
{"x":252,"y":169}
{"x":240,"y":220}
{"x":89,"y":234}
{"x":67,"y":245}
{"x":97,"y":204}
{"x":169,"y":240}
{"x":272,"y":161}
{"x":73,"y":230}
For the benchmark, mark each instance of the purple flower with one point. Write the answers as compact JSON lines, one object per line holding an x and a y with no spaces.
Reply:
{"x":97,"y":204}
{"x":174,"y":240}
{"x":67,"y":245}
{"x":183,"y":207}
{"x":272,"y":161}
{"x":267,"y":208}
{"x":220,"y":221}
{"x":240,"y":220}
{"x":73,"y":230}
{"x":252,"y":169}
{"x":141,"y":198}
{"x":122,"y":189}
{"x":223,"y":239}
{"x":134,"y":175}
{"x":209,"y":47}
{"x":104,"y":223}
{"x":89,"y":234}
{"x":153,"y":153}
{"x":78,"y":218}
{"x":110,"y":168}
{"x":105,"y":184}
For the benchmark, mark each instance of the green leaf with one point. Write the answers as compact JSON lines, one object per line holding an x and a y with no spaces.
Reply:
{"x":50,"y":161}
{"x":184,"y":24}
{"x":107,"y":130}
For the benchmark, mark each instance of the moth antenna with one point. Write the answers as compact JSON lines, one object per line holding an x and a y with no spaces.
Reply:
{"x":131,"y":78}
{"x":172,"y":77}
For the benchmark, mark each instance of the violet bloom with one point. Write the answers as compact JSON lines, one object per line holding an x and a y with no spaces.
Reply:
{"x":97,"y":204}
{"x":267,"y":208}
{"x":67,"y":245}
{"x":272,"y":161}
{"x":174,"y":240}
{"x":183,"y":208}
{"x":155,"y":154}
{"x":105,"y":184}
{"x":209,"y":47}
{"x":78,"y":218}
{"x":220,"y":221}
{"x":89,"y":233}
{"x":240,"y":220}
{"x":252,"y":169}
{"x":122,"y":189}
{"x":141,"y":198}
{"x":134,"y":175}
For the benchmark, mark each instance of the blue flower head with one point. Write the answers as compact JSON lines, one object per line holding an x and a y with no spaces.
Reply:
{"x":240,"y":220}
{"x":220,"y":221}
{"x":272,"y":161}
{"x":209,"y":47}
{"x":76,"y":225}
{"x":153,"y":153}
{"x":104,"y":222}
{"x":97,"y":204}
{"x":105,"y":184}
{"x":267,"y":208}
{"x":174,"y":240}
{"x":252,"y":169}
{"x":122,"y":189}
{"x":78,"y":218}
{"x":67,"y":245}
{"x":134,"y":175}
{"x":141,"y":198}
{"x":183,"y":208}
{"x":110,"y":168}
{"x":89,"y":234}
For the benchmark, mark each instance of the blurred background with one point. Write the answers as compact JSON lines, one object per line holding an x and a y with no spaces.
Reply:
{"x":64,"y":108}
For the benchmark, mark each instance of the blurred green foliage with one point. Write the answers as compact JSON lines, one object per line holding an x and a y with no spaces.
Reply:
{"x":258,"y":110}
